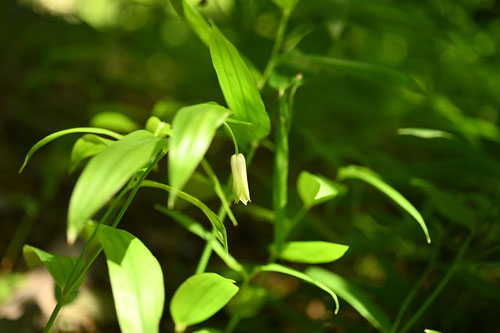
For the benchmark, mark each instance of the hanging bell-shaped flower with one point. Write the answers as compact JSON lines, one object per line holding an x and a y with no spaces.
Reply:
{"x":240,"y":182}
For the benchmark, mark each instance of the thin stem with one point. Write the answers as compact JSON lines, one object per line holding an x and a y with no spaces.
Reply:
{"x":228,"y":128}
{"x":278,"y":42}
{"x":72,"y":283}
{"x":205,"y":256}
{"x":444,"y":281}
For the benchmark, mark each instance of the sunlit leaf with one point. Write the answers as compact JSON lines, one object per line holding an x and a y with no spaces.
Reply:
{"x":431,"y":331}
{"x":289,"y":271}
{"x":212,"y":217}
{"x":199,"y":298}
{"x":368,"y":176}
{"x":425,"y":133}
{"x":197,"y":22}
{"x":312,"y":252}
{"x":353,"y":295}
{"x":115,"y":121}
{"x":85,"y":147}
{"x":106,"y":173}
{"x":239,"y":89}
{"x":159,"y":128}
{"x":58,"y":134}
{"x":136,"y":280}
{"x":193,"y":129}
{"x":315,"y":189}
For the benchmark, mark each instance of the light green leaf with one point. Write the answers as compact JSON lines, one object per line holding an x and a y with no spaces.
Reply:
{"x":197,"y":22}
{"x":106,"y":173}
{"x":59,"y":267}
{"x":352,"y":295}
{"x":315,"y":189}
{"x":208,"y":330}
{"x":136,"y":280}
{"x":289,"y":271}
{"x":85,"y":147}
{"x":58,"y":134}
{"x":199,"y":298}
{"x":425,"y":133}
{"x":197,"y":229}
{"x":431,"y":331}
{"x":213,"y":218}
{"x":159,"y":128}
{"x":367,"y":175}
{"x":114,"y":121}
{"x":239,"y":89}
{"x":193,"y":129}
{"x":313,"y":252}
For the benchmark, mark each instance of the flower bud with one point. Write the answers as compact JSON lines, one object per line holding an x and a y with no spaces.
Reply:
{"x":240,"y":182}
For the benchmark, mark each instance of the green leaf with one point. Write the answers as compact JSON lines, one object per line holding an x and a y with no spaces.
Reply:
{"x":159,"y":128}
{"x":212,"y":217}
{"x":197,"y":22}
{"x":363,"y":70}
{"x":352,"y":295}
{"x":59,"y":267}
{"x":315,"y":189}
{"x":313,"y":252}
{"x":193,"y":129}
{"x":368,"y":176}
{"x":200,"y":297}
{"x":58,"y":134}
{"x":239,"y":89}
{"x":289,"y":271}
{"x":208,"y":330}
{"x":114,"y":121}
{"x":85,"y":147}
{"x":136,"y":280}
{"x":106,"y":173}
{"x":425,"y":133}
{"x":431,"y":331}
{"x":197,"y":229}
{"x":286,"y":4}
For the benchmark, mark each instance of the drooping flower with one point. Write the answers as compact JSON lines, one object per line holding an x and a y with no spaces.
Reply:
{"x":240,"y":182}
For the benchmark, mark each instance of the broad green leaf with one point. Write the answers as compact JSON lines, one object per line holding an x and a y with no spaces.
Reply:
{"x":309,"y":63}
{"x":58,"y":134}
{"x":199,"y":298}
{"x":367,"y":175}
{"x":315,"y":189}
{"x":197,"y":229}
{"x":289,"y":271}
{"x":353,"y":295}
{"x":193,"y":129}
{"x":159,"y":128}
{"x":239,"y":89}
{"x":114,"y":121}
{"x":425,"y":133}
{"x":85,"y":147}
{"x":312,"y":252}
{"x":212,"y":217}
{"x":197,"y":22}
{"x":106,"y":173}
{"x":59,"y":267}
{"x":136,"y":280}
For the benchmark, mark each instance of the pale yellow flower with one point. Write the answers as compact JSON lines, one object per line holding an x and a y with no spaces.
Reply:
{"x":240,"y":182}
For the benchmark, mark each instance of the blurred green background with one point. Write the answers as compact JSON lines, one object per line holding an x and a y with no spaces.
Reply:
{"x":63,"y":62}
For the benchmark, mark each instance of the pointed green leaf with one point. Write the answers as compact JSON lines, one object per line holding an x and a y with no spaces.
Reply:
{"x":367,"y":175}
{"x":239,"y":89}
{"x":115,"y":121}
{"x":136,"y":280}
{"x":59,"y":267}
{"x":315,"y":189}
{"x":289,"y":271}
{"x":352,"y":295}
{"x":425,"y":133}
{"x":212,"y":217}
{"x":85,"y":147}
{"x":58,"y":134}
{"x":199,"y":298}
{"x":197,"y":22}
{"x":106,"y":173}
{"x":313,"y":252}
{"x":193,"y":129}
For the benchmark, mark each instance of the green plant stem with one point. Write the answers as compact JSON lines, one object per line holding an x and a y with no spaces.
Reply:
{"x":413,"y":291}
{"x":72,"y":283}
{"x":278,"y":42}
{"x":230,"y":131}
{"x":205,"y":256}
{"x":444,"y":281}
